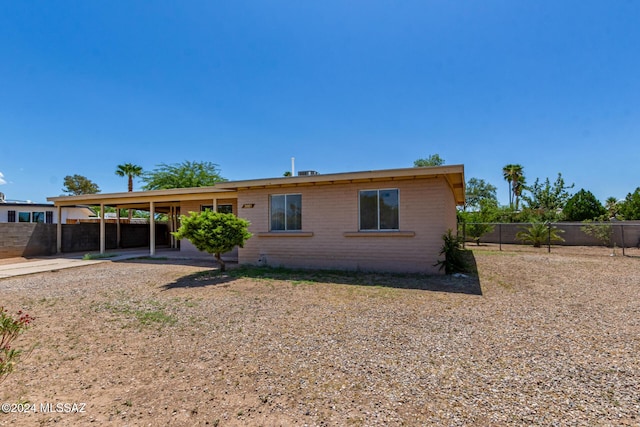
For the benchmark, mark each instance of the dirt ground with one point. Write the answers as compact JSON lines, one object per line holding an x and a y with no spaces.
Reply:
{"x":534,"y":339}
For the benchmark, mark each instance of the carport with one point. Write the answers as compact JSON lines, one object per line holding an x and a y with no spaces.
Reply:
{"x":169,"y":202}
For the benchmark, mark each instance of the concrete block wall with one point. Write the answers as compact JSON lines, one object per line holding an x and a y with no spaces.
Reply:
{"x":27,"y":239}
{"x":572,"y":234}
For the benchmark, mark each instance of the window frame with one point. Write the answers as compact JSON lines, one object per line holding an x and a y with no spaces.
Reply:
{"x":210,"y":207}
{"x":21,"y":215}
{"x":286,"y":225}
{"x":377,"y":229}
{"x":38,"y":217}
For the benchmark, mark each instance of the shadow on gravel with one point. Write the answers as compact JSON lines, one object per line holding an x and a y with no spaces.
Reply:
{"x":466,"y":283}
{"x":173,"y":260}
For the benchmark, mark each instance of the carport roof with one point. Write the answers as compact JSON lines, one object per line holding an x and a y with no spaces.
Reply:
{"x":454,"y":175}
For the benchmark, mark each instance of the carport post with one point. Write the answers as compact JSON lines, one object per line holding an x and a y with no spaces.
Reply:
{"x":118,"y":229}
{"x":59,"y":231}
{"x":152,"y":229}
{"x":103,"y":244}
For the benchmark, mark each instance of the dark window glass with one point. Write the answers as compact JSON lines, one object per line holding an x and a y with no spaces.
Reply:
{"x":369,"y":210}
{"x":225,"y":208}
{"x":286,"y":212}
{"x":294,"y":211}
{"x":379,"y":210}
{"x":24,"y":216}
{"x":277,"y":213}
{"x":49,"y":219}
{"x":11,"y":216}
{"x":388,"y":209}
{"x":37,"y":217}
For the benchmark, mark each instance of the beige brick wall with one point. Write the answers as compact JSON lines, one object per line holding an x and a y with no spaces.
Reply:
{"x":427,"y":209}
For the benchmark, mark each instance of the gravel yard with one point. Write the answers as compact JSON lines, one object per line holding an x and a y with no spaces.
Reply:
{"x":536,"y":339}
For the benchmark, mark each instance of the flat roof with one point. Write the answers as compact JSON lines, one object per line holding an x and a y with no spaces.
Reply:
{"x":26,"y":204}
{"x":454,"y":174}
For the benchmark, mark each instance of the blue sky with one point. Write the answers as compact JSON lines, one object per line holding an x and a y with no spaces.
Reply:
{"x":339,"y":85}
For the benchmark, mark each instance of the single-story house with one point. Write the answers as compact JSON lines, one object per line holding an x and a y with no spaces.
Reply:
{"x":383,"y":220}
{"x":41,"y":213}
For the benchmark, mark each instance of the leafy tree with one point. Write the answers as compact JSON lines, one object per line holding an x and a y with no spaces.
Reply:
{"x":583,"y":205}
{"x":539,"y":233}
{"x":514,"y":175}
{"x":214,"y":232}
{"x":182,"y":175}
{"x":630,"y":207}
{"x":478,"y":191}
{"x":129,"y":170}
{"x":547,"y":199}
{"x":477,"y":223}
{"x":602,"y":230}
{"x":76,"y":185}
{"x":432,"y":160}
{"x":287,"y":173}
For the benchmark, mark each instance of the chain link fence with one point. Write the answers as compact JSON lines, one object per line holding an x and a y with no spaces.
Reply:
{"x":614,"y":238}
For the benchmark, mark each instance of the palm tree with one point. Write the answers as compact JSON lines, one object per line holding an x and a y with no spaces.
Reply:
{"x":538,"y":233}
{"x":611,"y":204}
{"x":129,"y":170}
{"x":513,"y":174}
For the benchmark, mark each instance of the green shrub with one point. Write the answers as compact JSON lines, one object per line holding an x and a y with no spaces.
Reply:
{"x":10,"y":328}
{"x":539,"y":233}
{"x":214,"y":232}
{"x":453,"y":254}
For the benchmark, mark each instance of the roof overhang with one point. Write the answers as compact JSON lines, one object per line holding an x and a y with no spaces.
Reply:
{"x":453,"y":174}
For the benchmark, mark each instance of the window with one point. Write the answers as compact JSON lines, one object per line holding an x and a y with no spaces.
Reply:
{"x":11,"y":216}
{"x":379,"y":209}
{"x":221,"y":208}
{"x":49,"y":217}
{"x":37,"y":217}
{"x":286,"y":212}
{"x":24,"y":216}
{"x":225,"y":208}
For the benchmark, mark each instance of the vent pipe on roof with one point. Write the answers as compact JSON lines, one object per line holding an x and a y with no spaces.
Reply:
{"x":293,"y":166}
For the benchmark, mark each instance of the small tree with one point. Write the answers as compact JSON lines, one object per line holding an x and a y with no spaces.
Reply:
{"x":182,"y":175}
{"x":630,"y":206}
{"x":603,"y":231}
{"x":432,"y":160}
{"x":583,"y":205}
{"x":214,"y":232}
{"x":539,"y":233}
{"x":547,"y":199}
{"x":477,"y":223}
{"x":76,"y":185}
{"x":479,"y":191}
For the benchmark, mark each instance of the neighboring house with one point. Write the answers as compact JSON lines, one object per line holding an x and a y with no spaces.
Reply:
{"x":385,"y":220}
{"x":40,"y":213}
